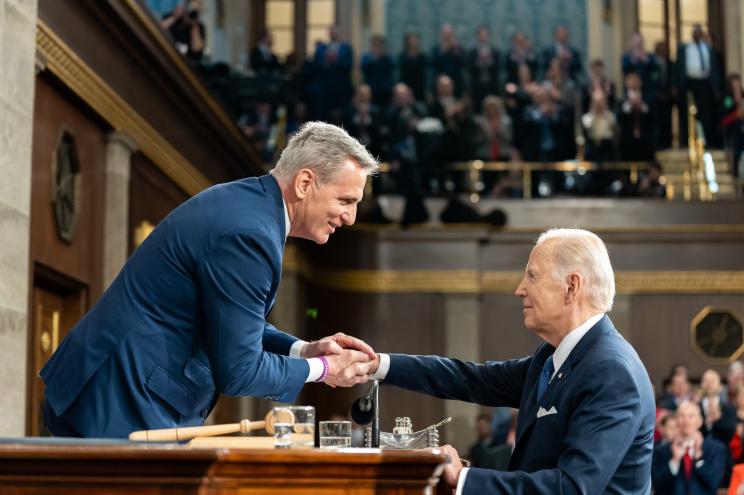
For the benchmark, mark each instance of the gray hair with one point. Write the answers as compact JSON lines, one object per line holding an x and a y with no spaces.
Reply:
{"x":581,"y":251}
{"x":323,"y":148}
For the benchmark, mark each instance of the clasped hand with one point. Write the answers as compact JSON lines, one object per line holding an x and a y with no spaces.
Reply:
{"x":350,"y":360}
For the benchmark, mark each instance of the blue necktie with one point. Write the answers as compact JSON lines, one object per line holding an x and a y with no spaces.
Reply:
{"x":545,"y":375}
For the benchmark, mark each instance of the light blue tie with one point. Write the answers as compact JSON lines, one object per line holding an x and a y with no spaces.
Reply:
{"x":545,"y":375}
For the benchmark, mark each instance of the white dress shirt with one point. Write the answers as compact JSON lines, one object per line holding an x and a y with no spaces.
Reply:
{"x":697,"y":67}
{"x":316,"y":365}
{"x":559,"y":357}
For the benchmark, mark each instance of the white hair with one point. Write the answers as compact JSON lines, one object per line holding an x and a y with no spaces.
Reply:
{"x":323,"y":148}
{"x":583,"y":252}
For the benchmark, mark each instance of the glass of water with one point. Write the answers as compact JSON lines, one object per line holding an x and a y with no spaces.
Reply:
{"x":335,"y":434}
{"x":303,"y":432}
{"x":283,"y":421}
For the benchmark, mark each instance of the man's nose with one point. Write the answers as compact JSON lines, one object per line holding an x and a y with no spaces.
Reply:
{"x":349,"y":216}
{"x":520,"y":290}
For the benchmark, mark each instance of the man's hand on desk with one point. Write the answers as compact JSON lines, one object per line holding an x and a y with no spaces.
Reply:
{"x":335,"y":344}
{"x":452,"y":470}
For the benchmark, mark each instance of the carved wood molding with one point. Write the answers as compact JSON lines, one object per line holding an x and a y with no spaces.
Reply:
{"x":84,"y":82}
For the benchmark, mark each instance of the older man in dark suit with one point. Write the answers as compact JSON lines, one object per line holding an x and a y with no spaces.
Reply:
{"x":586,"y":405}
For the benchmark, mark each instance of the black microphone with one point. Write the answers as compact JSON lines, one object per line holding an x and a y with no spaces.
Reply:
{"x":363,"y":410}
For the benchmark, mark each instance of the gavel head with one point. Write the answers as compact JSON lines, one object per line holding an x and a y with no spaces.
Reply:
{"x":278,"y":415}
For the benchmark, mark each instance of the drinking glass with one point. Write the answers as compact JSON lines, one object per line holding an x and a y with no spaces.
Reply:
{"x":335,"y":434}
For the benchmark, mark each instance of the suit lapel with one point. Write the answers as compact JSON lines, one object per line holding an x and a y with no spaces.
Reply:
{"x":556,"y":385}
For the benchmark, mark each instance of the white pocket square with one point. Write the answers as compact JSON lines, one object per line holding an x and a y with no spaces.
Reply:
{"x":542,"y":412}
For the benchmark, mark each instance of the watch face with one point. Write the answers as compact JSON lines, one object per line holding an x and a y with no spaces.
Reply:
{"x":718,"y":333}
{"x":66,"y":177}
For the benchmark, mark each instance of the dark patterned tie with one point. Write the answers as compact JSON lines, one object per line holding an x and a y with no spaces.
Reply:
{"x":545,"y":375}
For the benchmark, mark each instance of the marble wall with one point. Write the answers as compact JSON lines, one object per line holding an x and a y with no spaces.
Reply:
{"x":17,"y":49}
{"x":536,"y":18}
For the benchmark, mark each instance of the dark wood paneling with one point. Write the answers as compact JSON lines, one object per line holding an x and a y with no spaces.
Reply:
{"x":82,"y":259}
{"x":661,"y":330}
{"x":130,"y":60}
{"x":152,"y":195}
{"x":502,"y":332}
{"x":405,"y":323}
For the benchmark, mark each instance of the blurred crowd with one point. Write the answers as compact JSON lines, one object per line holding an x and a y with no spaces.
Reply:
{"x":423,"y":108}
{"x":699,"y":437}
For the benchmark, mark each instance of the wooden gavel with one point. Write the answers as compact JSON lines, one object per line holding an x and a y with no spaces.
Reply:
{"x":187,"y":433}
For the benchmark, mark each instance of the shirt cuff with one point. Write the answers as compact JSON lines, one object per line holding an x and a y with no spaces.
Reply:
{"x":294,"y":351}
{"x":316,"y":369}
{"x":383,"y":369}
{"x":673,"y":467}
{"x":461,"y":481}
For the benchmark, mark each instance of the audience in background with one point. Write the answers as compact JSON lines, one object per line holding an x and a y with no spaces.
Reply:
{"x":262,"y":60}
{"x":377,"y":69}
{"x":689,"y":463}
{"x":483,"y":67}
{"x":448,"y":58}
{"x":550,"y":118}
{"x":186,"y":29}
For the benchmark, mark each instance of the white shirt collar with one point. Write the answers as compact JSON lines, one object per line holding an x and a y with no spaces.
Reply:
{"x":287,"y":223}
{"x":569,"y":342}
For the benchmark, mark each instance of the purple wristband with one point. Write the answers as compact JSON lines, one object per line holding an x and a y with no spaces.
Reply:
{"x":325,"y":368}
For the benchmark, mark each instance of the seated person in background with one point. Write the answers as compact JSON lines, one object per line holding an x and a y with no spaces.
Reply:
{"x":737,"y":441}
{"x":520,"y":53}
{"x":484,"y":440}
{"x":599,"y":126}
{"x":362,"y":118}
{"x":448,"y":58}
{"x":586,"y":405}
{"x":547,"y":129}
{"x":719,"y":418}
{"x":484,"y":62}
{"x":497,"y":127}
{"x":689,"y":464}
{"x":650,"y":185}
{"x":413,"y":66}
{"x":679,"y":391}
{"x":734,"y":381}
{"x":186,"y":29}
{"x":668,"y":428}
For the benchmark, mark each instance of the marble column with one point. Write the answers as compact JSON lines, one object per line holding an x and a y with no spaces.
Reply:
{"x":119,"y":149}
{"x":462,"y":341}
{"x":17,"y":51}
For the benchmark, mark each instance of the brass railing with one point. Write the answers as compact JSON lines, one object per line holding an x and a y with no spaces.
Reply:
{"x":701,"y":168}
{"x":474,"y":170}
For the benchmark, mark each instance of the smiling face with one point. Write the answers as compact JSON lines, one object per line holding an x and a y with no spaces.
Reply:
{"x":543,"y":297}
{"x":324,"y":207}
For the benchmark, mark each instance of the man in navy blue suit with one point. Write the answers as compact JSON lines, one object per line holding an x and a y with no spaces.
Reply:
{"x":689,"y":464}
{"x":586,"y":405}
{"x":185,"y":320}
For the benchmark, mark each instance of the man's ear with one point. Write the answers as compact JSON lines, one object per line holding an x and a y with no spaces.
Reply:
{"x":303,"y":182}
{"x":575,"y":282}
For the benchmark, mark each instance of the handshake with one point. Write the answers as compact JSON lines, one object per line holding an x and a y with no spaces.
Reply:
{"x":350,"y":360}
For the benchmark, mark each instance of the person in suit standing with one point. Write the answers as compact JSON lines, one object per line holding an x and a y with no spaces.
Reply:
{"x":483,"y":64}
{"x":698,"y":74}
{"x":185,"y":319}
{"x":333,"y":61}
{"x":586,"y":404}
{"x":262,"y":58}
{"x":691,"y":464}
{"x":569,"y":57}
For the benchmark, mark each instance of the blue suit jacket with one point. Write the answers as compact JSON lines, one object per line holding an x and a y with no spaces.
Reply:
{"x":600,"y":439}
{"x":183,"y":321}
{"x":706,"y":474}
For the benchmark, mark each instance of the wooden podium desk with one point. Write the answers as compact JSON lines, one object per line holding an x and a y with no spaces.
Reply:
{"x":92,"y":468}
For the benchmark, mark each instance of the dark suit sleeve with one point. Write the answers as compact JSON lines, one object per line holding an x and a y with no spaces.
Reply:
{"x":489,"y":384}
{"x":661,"y":476}
{"x":277,"y":341}
{"x":603,"y":425}
{"x":236,"y":278}
{"x":710,"y":473}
